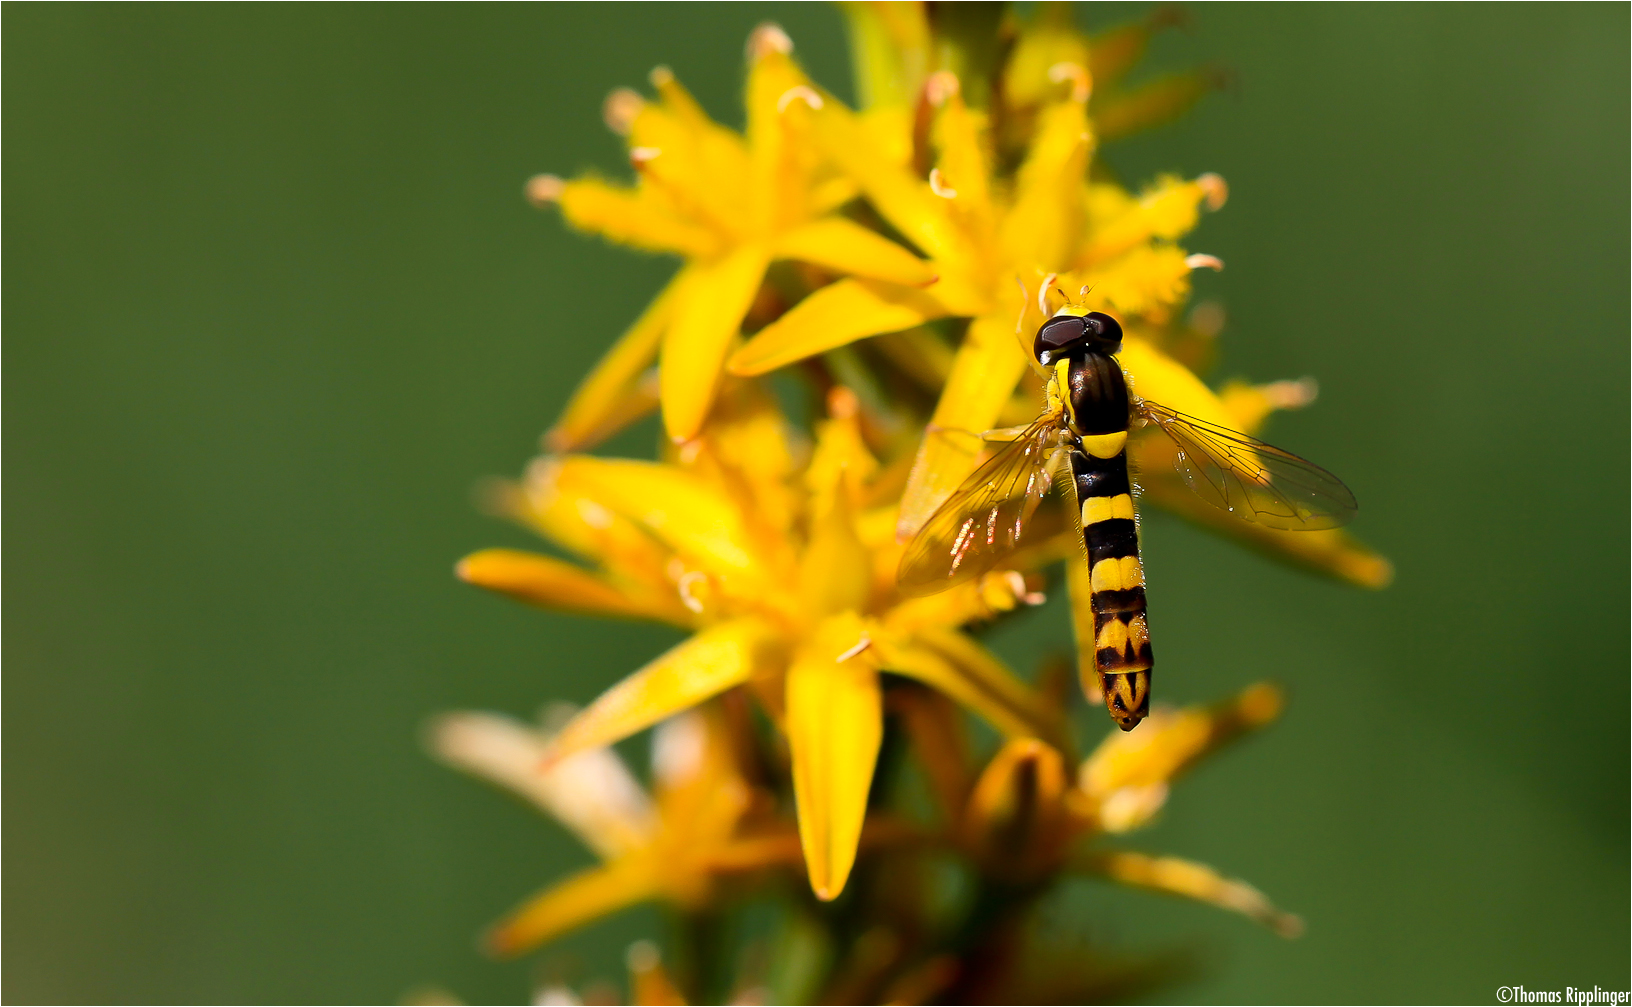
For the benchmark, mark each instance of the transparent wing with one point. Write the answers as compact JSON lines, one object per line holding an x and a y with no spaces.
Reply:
{"x":1250,"y":479}
{"x":984,"y":519}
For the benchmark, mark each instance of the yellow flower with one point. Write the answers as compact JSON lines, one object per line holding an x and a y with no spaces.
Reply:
{"x":1025,"y":817}
{"x":704,"y":824}
{"x":786,"y":573}
{"x":992,"y":238}
{"x":730,"y":205}
{"x":930,"y":222}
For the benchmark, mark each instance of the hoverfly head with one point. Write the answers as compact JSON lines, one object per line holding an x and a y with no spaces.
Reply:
{"x":1073,"y":330}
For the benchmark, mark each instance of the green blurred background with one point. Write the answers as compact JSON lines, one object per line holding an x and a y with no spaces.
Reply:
{"x":274,"y":303}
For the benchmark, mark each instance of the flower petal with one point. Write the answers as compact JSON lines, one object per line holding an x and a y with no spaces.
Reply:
{"x":1251,"y":405}
{"x":968,"y":601}
{"x":845,"y":246}
{"x":1015,"y":819}
{"x":1047,"y":39}
{"x":906,"y":202}
{"x":580,"y":523}
{"x":752,"y":853}
{"x":706,"y":665}
{"x":749,"y":451}
{"x":1194,"y":881}
{"x":1156,"y":376}
{"x":891,"y":47}
{"x":579,"y":899}
{"x":837,"y":314}
{"x":706,"y":320}
{"x":1115,"y":51}
{"x":552,"y":583}
{"x":783,"y":158}
{"x":611,"y":395}
{"x":1147,"y":281}
{"x":693,"y":516}
{"x":1045,"y":224}
{"x":1170,"y":741}
{"x":701,"y":791}
{"x":958,"y":666}
{"x":591,"y":793}
{"x":965,"y":169}
{"x":633,"y":217}
{"x":698,"y":166}
{"x":983,"y":375}
{"x":1168,"y":209}
{"x":835,"y":573}
{"x":835,"y":721}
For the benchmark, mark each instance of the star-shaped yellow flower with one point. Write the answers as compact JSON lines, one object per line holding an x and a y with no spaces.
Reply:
{"x":730,"y":205}
{"x":785,"y":571}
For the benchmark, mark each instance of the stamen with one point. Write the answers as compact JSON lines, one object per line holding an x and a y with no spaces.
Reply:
{"x":766,"y":39}
{"x":687,"y":598}
{"x":620,"y":109}
{"x":937,"y":185}
{"x":861,"y":645}
{"x":661,"y":77}
{"x":1216,"y":189}
{"x":800,"y":92}
{"x":543,"y":190}
{"x":641,"y":156}
{"x":1199,"y":260}
{"x":1042,"y":293}
{"x":1081,"y":84}
{"x":940,"y":87}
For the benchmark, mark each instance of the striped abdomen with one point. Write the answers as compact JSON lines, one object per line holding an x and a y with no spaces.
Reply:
{"x":1098,"y":409}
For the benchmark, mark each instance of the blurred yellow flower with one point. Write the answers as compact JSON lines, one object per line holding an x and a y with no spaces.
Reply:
{"x":1027,"y":818}
{"x":700,"y":826}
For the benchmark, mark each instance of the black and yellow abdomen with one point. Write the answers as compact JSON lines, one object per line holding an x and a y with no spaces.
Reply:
{"x":1095,"y":395}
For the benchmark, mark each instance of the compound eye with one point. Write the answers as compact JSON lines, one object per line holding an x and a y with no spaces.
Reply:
{"x":1099,"y":324}
{"x":1056,"y":335}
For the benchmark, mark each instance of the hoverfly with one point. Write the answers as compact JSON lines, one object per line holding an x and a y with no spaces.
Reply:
{"x":1084,"y":429}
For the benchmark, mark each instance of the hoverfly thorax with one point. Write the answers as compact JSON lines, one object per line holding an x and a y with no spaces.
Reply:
{"x":1079,"y":348}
